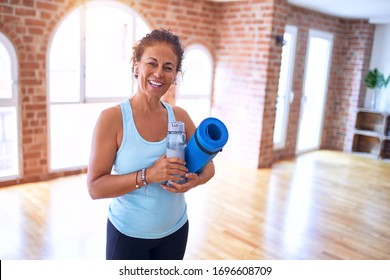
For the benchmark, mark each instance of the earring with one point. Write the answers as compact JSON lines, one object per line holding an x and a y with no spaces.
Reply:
{"x":135,"y":72}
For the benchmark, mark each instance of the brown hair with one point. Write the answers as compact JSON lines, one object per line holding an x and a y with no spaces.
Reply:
{"x":159,"y":36}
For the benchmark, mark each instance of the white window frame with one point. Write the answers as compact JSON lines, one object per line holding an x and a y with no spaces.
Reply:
{"x":14,"y":100}
{"x":83,"y":99}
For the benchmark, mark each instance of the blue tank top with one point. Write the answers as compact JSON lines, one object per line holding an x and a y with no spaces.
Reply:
{"x":148,"y":212}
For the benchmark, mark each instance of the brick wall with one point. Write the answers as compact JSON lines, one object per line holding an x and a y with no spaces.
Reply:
{"x":240,"y":36}
{"x":348,"y":89}
{"x":350,"y":60}
{"x":246,"y":74}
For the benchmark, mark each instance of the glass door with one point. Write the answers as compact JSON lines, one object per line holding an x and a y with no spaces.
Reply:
{"x":318,"y":58}
{"x":285,"y":94}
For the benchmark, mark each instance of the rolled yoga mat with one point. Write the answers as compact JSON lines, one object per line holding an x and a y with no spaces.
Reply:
{"x":209,"y":139}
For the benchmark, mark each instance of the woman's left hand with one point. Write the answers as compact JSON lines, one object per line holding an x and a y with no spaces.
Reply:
{"x":192,"y":182}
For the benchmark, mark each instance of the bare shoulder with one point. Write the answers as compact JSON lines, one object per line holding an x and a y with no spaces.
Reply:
{"x":111,"y":117}
{"x":181,"y":114}
{"x":111,"y":114}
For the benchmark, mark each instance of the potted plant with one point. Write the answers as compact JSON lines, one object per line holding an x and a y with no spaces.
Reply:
{"x":375,"y":80}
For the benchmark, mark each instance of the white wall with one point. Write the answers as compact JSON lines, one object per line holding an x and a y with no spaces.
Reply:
{"x":380,"y":59}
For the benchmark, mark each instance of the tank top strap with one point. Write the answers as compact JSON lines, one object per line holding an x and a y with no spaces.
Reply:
{"x":126,"y":109}
{"x":127,"y":114}
{"x":171,"y":114}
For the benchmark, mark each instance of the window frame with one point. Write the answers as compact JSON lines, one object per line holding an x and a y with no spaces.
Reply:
{"x":83,"y":99}
{"x":83,"y":96}
{"x":13,"y":102}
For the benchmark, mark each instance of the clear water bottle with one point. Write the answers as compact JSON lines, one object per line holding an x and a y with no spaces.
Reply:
{"x":176,"y":144}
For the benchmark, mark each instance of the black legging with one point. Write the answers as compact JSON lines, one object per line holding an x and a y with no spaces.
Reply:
{"x":122,"y":247}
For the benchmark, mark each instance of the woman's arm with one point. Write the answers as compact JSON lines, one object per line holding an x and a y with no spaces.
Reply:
{"x":101,"y":184}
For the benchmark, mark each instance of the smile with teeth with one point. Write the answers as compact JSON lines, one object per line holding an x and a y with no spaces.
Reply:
{"x":155,"y":83}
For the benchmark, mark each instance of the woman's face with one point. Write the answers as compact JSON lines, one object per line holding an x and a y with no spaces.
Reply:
{"x":156,"y":70}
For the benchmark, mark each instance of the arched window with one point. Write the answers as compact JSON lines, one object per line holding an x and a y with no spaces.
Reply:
{"x":194,"y":91}
{"x":9,"y":138}
{"x":89,"y":70}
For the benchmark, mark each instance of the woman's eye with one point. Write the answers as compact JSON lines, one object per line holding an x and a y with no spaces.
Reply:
{"x":152,"y":63}
{"x":168,"y":68}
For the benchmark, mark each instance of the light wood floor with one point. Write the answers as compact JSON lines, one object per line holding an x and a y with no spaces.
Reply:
{"x":323,"y":205}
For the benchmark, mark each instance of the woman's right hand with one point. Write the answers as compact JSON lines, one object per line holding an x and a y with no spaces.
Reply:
{"x":165,"y":169}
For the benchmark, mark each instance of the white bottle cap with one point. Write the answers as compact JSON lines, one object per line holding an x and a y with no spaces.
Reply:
{"x":176,"y":126}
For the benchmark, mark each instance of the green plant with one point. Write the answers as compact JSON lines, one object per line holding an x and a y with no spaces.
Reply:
{"x":375,"y":79}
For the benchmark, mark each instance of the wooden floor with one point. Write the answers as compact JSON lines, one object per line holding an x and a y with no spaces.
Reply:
{"x":323,"y":205}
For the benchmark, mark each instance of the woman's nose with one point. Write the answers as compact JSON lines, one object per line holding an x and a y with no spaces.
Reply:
{"x":158,"y":72}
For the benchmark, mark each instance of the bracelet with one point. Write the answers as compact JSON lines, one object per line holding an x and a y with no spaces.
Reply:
{"x":136,"y":180}
{"x":143,"y":177}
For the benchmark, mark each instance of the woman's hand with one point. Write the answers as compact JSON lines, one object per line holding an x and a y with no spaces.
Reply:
{"x":192,"y":182}
{"x":165,"y":169}
{"x":170,"y":169}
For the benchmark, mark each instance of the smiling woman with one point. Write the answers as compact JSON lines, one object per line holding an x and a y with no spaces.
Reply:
{"x":155,"y":76}
{"x":128,"y":151}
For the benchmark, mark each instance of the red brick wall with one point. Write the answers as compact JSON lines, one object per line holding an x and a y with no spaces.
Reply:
{"x":240,"y":36}
{"x":350,"y":60}
{"x":246,"y":76}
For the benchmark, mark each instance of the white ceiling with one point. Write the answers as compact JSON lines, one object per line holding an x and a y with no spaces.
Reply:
{"x":376,"y":11}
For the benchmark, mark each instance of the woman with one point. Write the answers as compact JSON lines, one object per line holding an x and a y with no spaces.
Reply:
{"x":146,"y":218}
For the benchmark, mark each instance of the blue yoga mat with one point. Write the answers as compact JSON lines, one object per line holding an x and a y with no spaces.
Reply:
{"x":209,"y":139}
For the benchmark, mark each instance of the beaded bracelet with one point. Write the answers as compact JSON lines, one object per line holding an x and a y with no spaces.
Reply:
{"x":143,"y":177}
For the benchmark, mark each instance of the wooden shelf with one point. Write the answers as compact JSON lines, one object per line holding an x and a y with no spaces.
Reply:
{"x":372,"y":134}
{"x":386,"y":149}
{"x":370,"y":121}
{"x":368,"y":133}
